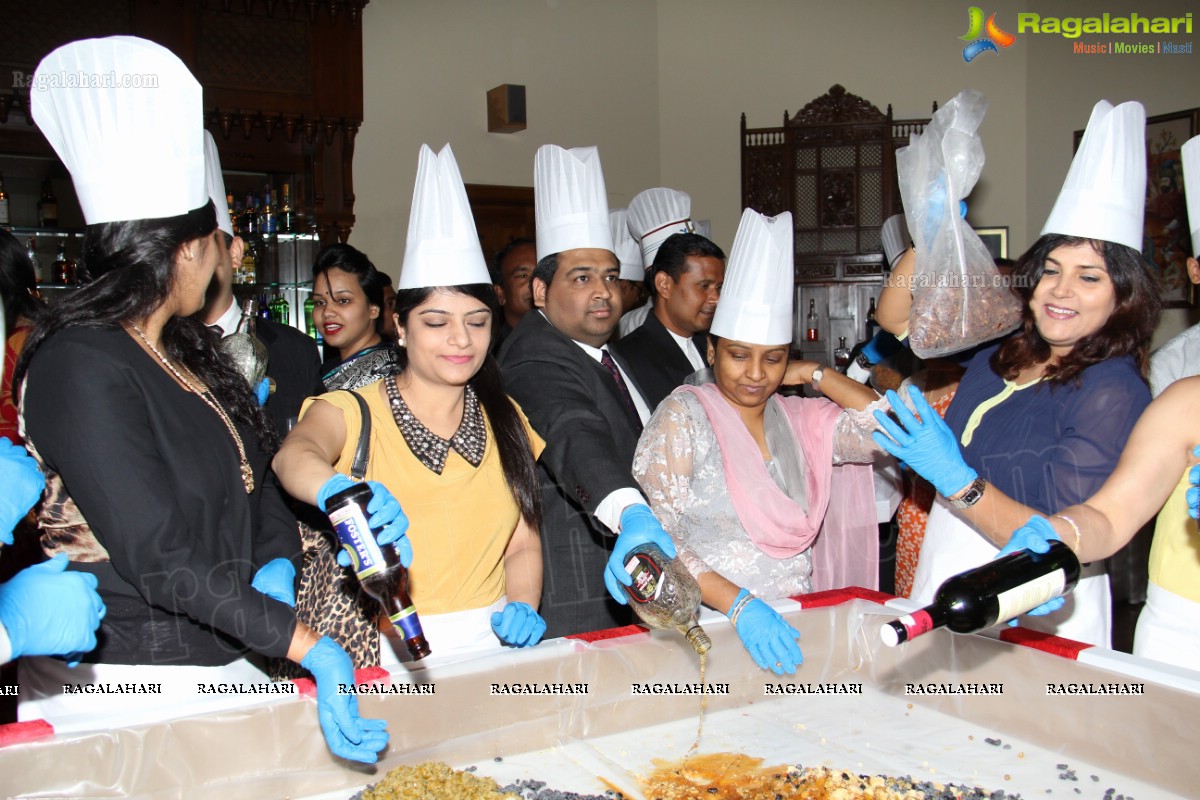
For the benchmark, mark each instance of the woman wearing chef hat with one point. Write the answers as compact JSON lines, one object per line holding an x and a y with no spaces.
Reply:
{"x":155,"y":451}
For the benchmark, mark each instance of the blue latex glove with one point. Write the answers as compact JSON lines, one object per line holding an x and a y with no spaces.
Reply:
{"x":387,"y":521}
{"x":882,"y":345}
{"x":48,"y":611}
{"x":769,"y":639}
{"x":1035,"y":535}
{"x":638,"y":526}
{"x":1193,"y":492}
{"x":23,"y":483}
{"x":928,"y":446}
{"x":937,"y":207}
{"x":277,"y":578}
{"x":262,"y":391}
{"x":347,"y":734}
{"x":519,"y":625}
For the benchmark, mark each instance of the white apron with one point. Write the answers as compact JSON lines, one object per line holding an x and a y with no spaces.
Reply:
{"x":1168,"y":629}
{"x":179,"y":692}
{"x":952,"y":546}
{"x":452,"y":637}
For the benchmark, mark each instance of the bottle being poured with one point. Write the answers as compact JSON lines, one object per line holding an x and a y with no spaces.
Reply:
{"x":247,"y":354}
{"x":665,"y":595}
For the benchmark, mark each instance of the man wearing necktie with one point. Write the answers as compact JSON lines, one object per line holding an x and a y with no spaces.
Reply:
{"x":581,"y":400}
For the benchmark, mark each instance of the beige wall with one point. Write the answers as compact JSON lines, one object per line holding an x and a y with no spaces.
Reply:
{"x":589,"y":72}
{"x":659,"y":86}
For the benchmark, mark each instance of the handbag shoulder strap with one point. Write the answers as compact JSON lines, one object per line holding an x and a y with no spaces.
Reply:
{"x":362,"y":452}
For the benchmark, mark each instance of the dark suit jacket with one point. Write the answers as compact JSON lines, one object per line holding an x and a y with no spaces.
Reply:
{"x":573,"y":404}
{"x":655,"y":360}
{"x":294,"y":364}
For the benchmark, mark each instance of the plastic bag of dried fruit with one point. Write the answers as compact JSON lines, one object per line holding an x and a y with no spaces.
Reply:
{"x":959,"y":298}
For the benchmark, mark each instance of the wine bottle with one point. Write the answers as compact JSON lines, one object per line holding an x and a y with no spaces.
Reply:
{"x":249,"y":273}
{"x":48,"y":206}
{"x":872,"y":324}
{"x":285,"y":221}
{"x":997,"y":591}
{"x":64,"y":270}
{"x":378,"y":569}
{"x":812,"y":334}
{"x":665,"y":595}
{"x":841,"y":355}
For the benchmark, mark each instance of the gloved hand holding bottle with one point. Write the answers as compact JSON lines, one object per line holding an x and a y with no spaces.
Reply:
{"x":767,"y":636}
{"x":638,"y":526}
{"x":387,"y":518}
{"x":1035,"y":535}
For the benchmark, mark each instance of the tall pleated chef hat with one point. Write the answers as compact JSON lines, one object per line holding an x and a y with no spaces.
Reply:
{"x":1104,"y":195}
{"x":894,"y":235}
{"x":758,"y":297}
{"x":442,"y":247}
{"x":133,"y":153}
{"x":570,"y":202}
{"x":214,"y":183}
{"x":656,"y":215}
{"x":1191,"y":188}
{"x":625,"y":247}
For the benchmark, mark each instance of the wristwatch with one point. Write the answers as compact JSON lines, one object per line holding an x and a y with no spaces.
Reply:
{"x":817,"y":374}
{"x":971,"y":496}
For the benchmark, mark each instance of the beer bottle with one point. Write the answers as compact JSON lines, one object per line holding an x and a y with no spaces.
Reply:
{"x":378,"y":569}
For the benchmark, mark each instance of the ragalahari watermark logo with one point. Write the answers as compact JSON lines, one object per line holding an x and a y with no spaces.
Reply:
{"x":981,"y":38}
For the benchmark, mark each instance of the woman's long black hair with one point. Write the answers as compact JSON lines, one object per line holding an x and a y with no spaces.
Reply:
{"x":18,"y":281}
{"x":128,"y":271}
{"x":512,"y":442}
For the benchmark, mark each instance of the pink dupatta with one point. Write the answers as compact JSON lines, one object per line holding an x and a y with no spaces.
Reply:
{"x":840,"y":523}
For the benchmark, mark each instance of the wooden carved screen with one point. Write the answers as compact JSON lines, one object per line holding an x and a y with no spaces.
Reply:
{"x":833,"y":166}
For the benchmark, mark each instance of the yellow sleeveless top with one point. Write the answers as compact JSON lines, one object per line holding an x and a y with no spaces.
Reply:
{"x":1175,"y":552}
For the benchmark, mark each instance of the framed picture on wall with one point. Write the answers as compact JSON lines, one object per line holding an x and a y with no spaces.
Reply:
{"x":995,"y":240}
{"x":1166,"y":240}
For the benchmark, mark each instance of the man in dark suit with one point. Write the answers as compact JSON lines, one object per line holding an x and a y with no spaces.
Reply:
{"x":293,"y":362}
{"x":687,"y":274}
{"x":582,"y":402}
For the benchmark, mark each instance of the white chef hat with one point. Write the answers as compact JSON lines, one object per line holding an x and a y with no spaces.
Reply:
{"x":214,"y":183}
{"x":655,"y":215}
{"x":442,"y":248}
{"x":759,"y":294}
{"x":126,"y":117}
{"x":894,"y":236}
{"x":625,"y":247}
{"x":569,"y":200}
{"x":1104,"y":195}
{"x":1191,"y":189}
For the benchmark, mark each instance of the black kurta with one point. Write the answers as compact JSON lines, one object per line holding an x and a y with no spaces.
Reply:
{"x":156,"y":474}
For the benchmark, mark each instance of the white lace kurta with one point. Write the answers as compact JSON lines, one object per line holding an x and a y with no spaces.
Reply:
{"x":679,"y":466}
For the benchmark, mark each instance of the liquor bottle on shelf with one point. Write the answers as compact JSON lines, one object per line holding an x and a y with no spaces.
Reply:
{"x":872,"y":326}
{"x":997,"y":591}
{"x":233,"y":214}
{"x":64,"y":268}
{"x":31,"y":251}
{"x":268,"y":213}
{"x":250,"y":218}
{"x":4,"y":216}
{"x":264,"y":305}
{"x":665,"y":595}
{"x":285,"y":222}
{"x":378,"y":569}
{"x":281,"y":310}
{"x":841,"y":355}
{"x":244,"y":349}
{"x":310,"y":327}
{"x":811,"y":332}
{"x":249,"y":272}
{"x":47,"y":206}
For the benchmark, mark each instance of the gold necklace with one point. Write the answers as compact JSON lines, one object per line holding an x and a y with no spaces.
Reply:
{"x":204,"y":394}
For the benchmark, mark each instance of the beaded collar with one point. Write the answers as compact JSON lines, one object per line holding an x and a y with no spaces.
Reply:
{"x":469,"y":440}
